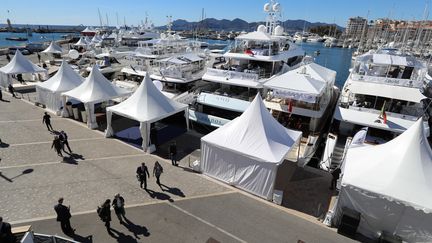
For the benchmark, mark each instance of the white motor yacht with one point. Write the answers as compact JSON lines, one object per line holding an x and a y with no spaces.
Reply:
{"x":382,"y":93}
{"x":233,"y":82}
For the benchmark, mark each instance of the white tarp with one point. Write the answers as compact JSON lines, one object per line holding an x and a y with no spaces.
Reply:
{"x":390,"y":186}
{"x":304,"y":83}
{"x":388,"y":91}
{"x":49,"y":92}
{"x":95,"y":89}
{"x":246,"y":151}
{"x":20,"y":65}
{"x":146,"y":105}
{"x":53,"y":48}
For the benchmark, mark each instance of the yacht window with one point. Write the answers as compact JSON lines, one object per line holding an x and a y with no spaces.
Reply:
{"x":407,"y":72}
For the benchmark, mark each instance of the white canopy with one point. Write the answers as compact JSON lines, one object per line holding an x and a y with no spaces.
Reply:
{"x":390,"y":185}
{"x":49,"y":92}
{"x":386,"y":59}
{"x":20,"y":65}
{"x":81,"y":42}
{"x":304,"y":83}
{"x":388,"y":91}
{"x":258,"y":36}
{"x":246,"y":151}
{"x":96,"y":88}
{"x":146,"y":105}
{"x":53,"y":48}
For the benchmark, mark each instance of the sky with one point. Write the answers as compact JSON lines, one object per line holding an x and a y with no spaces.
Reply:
{"x":85,"y":12}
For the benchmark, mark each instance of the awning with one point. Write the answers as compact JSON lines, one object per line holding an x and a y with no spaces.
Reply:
{"x":388,"y":91}
{"x":386,"y":59}
{"x":368,"y":119}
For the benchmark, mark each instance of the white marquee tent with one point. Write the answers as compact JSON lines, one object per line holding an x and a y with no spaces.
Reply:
{"x":53,"y":48}
{"x":95,"y":89}
{"x":246,"y":151}
{"x":18,"y":65}
{"x":49,"y":92}
{"x":391,"y":186}
{"x":146,"y":105}
{"x":81,"y":42}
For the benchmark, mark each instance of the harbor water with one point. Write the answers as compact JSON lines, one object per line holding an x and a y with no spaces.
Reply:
{"x":35,"y":38}
{"x":337,"y":59}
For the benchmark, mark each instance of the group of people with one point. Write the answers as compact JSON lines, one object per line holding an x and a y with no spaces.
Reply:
{"x":60,"y":141}
{"x":104,"y":211}
{"x":143,"y":174}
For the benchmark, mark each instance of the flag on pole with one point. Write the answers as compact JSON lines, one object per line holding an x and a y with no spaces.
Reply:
{"x":383,"y":114}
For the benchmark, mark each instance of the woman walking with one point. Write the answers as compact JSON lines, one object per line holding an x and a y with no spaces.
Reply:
{"x":57,"y":145}
{"x":157,"y":171}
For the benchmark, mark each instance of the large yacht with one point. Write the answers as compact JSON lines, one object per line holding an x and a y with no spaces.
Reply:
{"x":172,"y":61}
{"x":384,"y":93}
{"x":241,"y":72}
{"x":303,"y":99}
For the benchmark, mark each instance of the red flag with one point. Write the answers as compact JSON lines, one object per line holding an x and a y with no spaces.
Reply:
{"x":384,"y":116}
{"x":290,"y":107}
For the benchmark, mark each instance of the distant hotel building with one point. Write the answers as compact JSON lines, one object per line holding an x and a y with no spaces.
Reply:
{"x":355,"y":27}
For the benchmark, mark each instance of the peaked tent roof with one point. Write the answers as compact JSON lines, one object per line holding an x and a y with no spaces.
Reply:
{"x":20,"y":64}
{"x":398,"y":170}
{"x":64,"y":80}
{"x":310,"y":78}
{"x":147,"y":104}
{"x":96,"y":88}
{"x":256,"y":134}
{"x":81,"y":42}
{"x":53,"y":48}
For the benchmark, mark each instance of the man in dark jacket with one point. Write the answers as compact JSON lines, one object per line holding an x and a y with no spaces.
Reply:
{"x":6,"y":235}
{"x":47,"y":120}
{"x":104,"y":213}
{"x":64,"y":139}
{"x":173,"y":153}
{"x":118,"y":205}
{"x":143,"y":174}
{"x":63,"y":216}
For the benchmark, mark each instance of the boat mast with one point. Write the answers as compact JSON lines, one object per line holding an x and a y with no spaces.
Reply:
{"x":100,"y":18}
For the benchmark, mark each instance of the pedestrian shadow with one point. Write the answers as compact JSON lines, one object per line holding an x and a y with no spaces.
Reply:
{"x":7,"y":101}
{"x":26,"y":171}
{"x":135,"y":229}
{"x":73,"y":158}
{"x":82,"y":239}
{"x":172,"y":190}
{"x":54,"y":132}
{"x":159,"y":195}
{"x":120,"y":237}
{"x":4,"y":145}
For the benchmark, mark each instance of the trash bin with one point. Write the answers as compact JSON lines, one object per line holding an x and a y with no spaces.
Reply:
{"x":84,"y":116}
{"x":277,"y":197}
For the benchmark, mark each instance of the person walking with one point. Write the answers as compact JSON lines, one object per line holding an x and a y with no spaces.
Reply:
{"x":104,"y":213}
{"x":157,"y":171}
{"x":118,"y":205}
{"x":64,"y":140}
{"x":39,"y":57}
{"x":11,"y":90}
{"x":57,"y":145}
{"x":63,"y":216}
{"x":8,"y":58}
{"x":173,"y":153}
{"x":143,"y":174}
{"x":1,"y":95}
{"x":47,"y":120}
